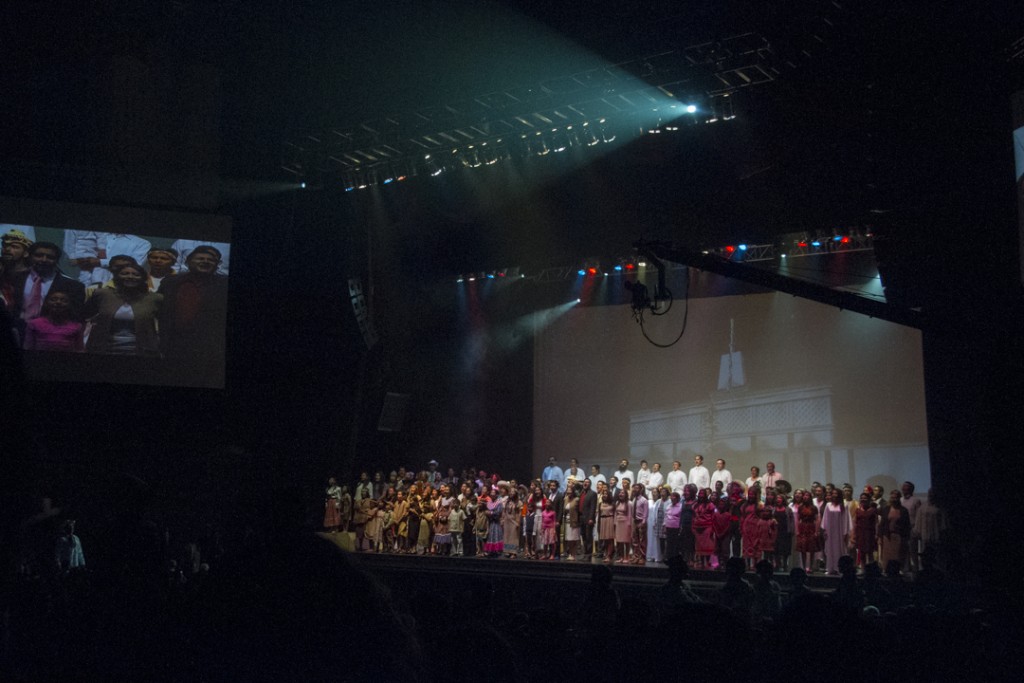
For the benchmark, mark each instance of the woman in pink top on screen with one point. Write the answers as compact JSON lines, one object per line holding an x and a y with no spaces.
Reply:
{"x":55,"y":329}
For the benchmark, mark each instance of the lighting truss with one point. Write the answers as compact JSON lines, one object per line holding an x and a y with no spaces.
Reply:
{"x":456,"y":133}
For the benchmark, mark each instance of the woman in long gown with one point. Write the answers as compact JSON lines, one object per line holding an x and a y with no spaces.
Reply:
{"x":721,"y":524}
{"x":672,"y":512}
{"x":442,"y":532}
{"x":415,"y":519}
{"x":687,"y":542}
{"x":572,"y":517}
{"x":332,"y":506}
{"x":807,"y":531}
{"x":606,"y":526}
{"x":495,"y":543}
{"x":623,"y":526}
{"x":427,"y":504}
{"x":865,"y":531}
{"x":345,"y":509}
{"x":784,"y":539}
{"x":894,"y":532}
{"x":703,"y":529}
{"x":534,"y":515}
{"x":400,"y":522}
{"x":750,"y":511}
{"x":835,"y":528}
{"x":510,"y":524}
{"x":654,"y":523}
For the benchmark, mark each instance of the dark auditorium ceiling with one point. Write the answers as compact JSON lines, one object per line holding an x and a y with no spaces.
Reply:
{"x":868,"y":112}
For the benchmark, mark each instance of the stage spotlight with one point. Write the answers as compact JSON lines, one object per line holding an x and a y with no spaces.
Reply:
{"x":743,"y":247}
{"x":302,"y":186}
{"x":691,"y":109}
{"x":815,"y":243}
{"x":618,"y":268}
{"x":578,"y":300}
{"x":581,"y":272}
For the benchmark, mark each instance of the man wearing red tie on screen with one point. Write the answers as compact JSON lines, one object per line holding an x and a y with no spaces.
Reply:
{"x":31,"y":286}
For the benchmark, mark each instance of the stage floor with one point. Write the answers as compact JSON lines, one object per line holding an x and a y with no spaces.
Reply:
{"x":648,"y":575}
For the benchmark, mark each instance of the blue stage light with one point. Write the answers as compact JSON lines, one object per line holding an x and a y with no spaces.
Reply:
{"x":581,"y":272}
{"x":743,"y":247}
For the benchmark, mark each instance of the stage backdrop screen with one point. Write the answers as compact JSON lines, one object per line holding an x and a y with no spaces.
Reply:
{"x":827,"y":395}
{"x":135,"y":296}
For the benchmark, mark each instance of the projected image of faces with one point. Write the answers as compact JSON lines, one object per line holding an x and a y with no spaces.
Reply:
{"x":109,"y":294}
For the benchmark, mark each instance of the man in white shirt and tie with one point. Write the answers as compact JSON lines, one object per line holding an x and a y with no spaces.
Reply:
{"x":699,"y":475}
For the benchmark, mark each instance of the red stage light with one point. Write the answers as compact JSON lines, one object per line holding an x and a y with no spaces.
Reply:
{"x":845,"y":240}
{"x":801,"y":244}
{"x":630,"y":266}
{"x":592,"y":270}
{"x":730,"y":249}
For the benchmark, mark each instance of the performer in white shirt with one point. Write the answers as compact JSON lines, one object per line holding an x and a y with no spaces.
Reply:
{"x":82,"y":244}
{"x":754,"y":478}
{"x":655,"y":480}
{"x":676,"y":479}
{"x":643,"y":476}
{"x":573,"y":472}
{"x":699,"y":475}
{"x":624,"y":472}
{"x":595,"y":477}
{"x":721,"y":474}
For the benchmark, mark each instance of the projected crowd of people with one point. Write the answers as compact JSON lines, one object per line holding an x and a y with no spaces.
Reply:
{"x":704,"y":517}
{"x":129,"y":297}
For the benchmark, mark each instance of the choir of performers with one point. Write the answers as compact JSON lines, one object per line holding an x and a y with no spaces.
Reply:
{"x":492,"y":517}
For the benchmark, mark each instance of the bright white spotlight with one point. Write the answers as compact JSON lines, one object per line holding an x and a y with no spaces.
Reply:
{"x":578,"y":300}
{"x":691,"y":109}
{"x":302,"y":186}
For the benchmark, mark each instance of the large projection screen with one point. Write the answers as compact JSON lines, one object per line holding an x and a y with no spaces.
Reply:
{"x":179,"y":332}
{"x":827,"y":395}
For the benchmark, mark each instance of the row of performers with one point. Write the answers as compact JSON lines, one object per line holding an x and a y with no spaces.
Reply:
{"x":624,"y":526}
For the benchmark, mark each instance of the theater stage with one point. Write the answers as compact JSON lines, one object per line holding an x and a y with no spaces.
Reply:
{"x":392,"y":566}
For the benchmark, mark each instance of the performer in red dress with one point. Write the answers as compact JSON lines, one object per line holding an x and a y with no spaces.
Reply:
{"x":865,"y":530}
{"x":703,"y":529}
{"x":807,"y":531}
